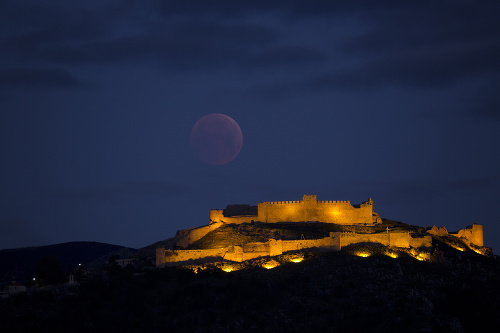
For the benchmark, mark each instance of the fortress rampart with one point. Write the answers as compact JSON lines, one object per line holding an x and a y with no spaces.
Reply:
{"x":186,"y":237}
{"x":247,"y":251}
{"x":334,"y":242}
{"x":472,"y":234}
{"x":309,"y":209}
{"x":393,"y":239}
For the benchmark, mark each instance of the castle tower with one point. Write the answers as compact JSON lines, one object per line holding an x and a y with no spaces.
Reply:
{"x":477,"y":235}
{"x":309,"y":199}
{"x":473,"y":234}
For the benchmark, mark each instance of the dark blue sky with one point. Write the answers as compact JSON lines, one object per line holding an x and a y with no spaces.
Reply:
{"x":393,"y":100}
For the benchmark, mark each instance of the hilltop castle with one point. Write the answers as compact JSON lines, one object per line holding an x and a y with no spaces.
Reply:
{"x":309,"y":209}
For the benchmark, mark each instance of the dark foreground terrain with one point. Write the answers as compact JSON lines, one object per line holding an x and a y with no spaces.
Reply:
{"x":327,"y":292}
{"x":20,"y":264}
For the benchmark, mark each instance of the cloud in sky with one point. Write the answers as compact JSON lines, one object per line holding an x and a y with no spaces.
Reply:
{"x":43,"y":78}
{"x":133,"y":189}
{"x":408,"y":43}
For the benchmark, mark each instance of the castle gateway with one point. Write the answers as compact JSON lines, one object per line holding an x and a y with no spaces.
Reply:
{"x":309,"y":209}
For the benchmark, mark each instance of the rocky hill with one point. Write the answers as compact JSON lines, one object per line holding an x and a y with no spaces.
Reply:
{"x":361,"y":288}
{"x":237,"y":234}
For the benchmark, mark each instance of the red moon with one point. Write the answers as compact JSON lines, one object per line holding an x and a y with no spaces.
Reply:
{"x":216,"y":139}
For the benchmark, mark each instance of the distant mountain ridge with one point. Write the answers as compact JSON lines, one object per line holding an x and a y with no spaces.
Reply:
{"x":20,"y":263}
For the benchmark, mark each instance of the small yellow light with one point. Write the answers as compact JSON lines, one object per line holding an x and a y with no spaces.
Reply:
{"x":270,"y":264}
{"x":363,"y":254}
{"x":298,"y":259}
{"x":422,"y":257}
{"x":392,"y":254}
{"x":228,"y":269}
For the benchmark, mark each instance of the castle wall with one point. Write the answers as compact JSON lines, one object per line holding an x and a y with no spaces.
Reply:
{"x":473,"y":234}
{"x":400,"y":239}
{"x":331,"y":243}
{"x":284,"y":211}
{"x":192,"y":235}
{"x":396,"y":239}
{"x":348,"y":238}
{"x":247,"y":251}
{"x":309,"y":209}
{"x":421,"y":241}
{"x":185,"y":255}
{"x":273,"y":247}
{"x":342,"y":212}
{"x":235,"y":253}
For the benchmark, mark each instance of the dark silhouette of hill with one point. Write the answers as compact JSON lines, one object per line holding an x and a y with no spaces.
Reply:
{"x":20,"y":263}
{"x":326,"y":292}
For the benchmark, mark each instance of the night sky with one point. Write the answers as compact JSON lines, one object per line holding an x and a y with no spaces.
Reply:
{"x":394,"y":100}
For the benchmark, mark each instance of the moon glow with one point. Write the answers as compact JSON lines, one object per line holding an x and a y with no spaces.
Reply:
{"x":216,"y":139}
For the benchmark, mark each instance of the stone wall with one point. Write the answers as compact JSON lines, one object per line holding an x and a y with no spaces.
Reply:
{"x":186,"y":237}
{"x":164,"y":257}
{"x":332,"y":243}
{"x":247,"y":251}
{"x":395,"y":239}
{"x":472,"y":234}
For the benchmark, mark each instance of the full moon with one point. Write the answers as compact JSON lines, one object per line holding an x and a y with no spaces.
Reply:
{"x":216,"y":139}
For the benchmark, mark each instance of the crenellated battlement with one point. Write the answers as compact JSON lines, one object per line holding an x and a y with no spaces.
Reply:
{"x":284,"y":202}
{"x":309,"y":197}
{"x":334,"y":202}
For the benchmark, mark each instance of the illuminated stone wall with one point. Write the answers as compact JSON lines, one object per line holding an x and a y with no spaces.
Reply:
{"x":309,"y":209}
{"x":273,"y":247}
{"x":396,"y":239}
{"x":332,"y":243}
{"x":421,"y":241}
{"x":473,"y":234}
{"x":186,"y":237}
{"x":164,"y":257}
{"x":247,"y":251}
